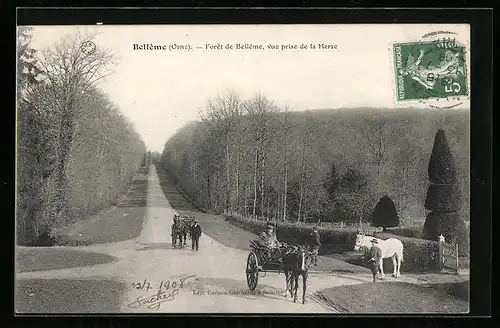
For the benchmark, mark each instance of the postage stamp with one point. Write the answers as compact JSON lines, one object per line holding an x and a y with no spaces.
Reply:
{"x":431,"y":69}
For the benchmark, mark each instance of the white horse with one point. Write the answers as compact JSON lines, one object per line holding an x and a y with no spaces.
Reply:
{"x":391,"y":247}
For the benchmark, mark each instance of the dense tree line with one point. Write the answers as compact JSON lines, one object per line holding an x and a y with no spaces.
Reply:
{"x":251,"y":157}
{"x":75,"y":151}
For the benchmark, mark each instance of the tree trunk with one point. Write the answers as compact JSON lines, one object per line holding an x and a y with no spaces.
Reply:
{"x":301,"y":188}
{"x":255,"y":184}
{"x":228,"y":174}
{"x":238,"y":205}
{"x":285,"y":191}
{"x":65,"y":137}
{"x":218,"y":190}
{"x":278,"y":207}
{"x":268,"y":208}
{"x":301,"y":192}
{"x":380,"y":157}
{"x":262,"y":185}
{"x":209,"y":192}
{"x":403,"y":194}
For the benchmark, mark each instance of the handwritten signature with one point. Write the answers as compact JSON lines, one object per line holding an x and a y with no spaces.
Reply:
{"x":155,"y":300}
{"x":167,"y":291}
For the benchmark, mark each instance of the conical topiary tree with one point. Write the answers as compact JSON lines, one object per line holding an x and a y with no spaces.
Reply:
{"x":443,"y":197}
{"x":384,"y":214}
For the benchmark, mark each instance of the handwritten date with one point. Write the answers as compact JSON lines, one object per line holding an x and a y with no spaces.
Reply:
{"x":166,"y":291}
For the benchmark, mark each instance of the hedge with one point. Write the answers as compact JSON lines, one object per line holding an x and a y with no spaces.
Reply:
{"x":410,"y":232}
{"x":333,"y":240}
{"x":419,"y":255}
{"x":443,"y":198}
{"x":450,"y":225}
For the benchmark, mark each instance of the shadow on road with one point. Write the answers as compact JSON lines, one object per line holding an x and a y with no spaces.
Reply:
{"x":164,"y":246}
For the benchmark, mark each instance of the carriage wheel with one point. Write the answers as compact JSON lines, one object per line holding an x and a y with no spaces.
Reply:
{"x":252,"y":271}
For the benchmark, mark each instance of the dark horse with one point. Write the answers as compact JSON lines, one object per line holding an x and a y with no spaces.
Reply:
{"x":296,"y":263}
{"x":178,"y":232}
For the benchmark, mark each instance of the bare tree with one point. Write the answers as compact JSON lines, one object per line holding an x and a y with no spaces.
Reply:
{"x":223,"y":114}
{"x":261,"y":111}
{"x":286,"y":136}
{"x":69,"y":70}
{"x":374,"y":135}
{"x":303,"y":166}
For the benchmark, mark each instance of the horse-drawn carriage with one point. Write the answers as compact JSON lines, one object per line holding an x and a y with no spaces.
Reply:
{"x":293,"y":261}
{"x":181,"y":230}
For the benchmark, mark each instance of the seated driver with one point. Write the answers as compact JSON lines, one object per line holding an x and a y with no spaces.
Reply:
{"x":268,"y":239}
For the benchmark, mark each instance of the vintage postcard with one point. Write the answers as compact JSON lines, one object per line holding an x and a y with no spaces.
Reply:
{"x":243,"y":169}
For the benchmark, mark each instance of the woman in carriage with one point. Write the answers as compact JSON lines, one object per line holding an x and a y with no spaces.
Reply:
{"x":269,"y":240}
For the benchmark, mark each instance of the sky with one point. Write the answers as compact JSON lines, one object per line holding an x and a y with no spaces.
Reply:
{"x":162,"y":90}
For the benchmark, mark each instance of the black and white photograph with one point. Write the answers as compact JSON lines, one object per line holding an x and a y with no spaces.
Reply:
{"x":298,"y":169}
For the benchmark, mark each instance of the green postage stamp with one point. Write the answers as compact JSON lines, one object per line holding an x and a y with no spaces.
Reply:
{"x":430,"y":69}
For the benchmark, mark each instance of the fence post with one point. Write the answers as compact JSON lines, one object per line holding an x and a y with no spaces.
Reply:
{"x":456,"y":255}
{"x":440,"y":251}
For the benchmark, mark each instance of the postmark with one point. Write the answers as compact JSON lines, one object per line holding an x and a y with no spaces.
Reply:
{"x":88,"y":47}
{"x":430,"y":69}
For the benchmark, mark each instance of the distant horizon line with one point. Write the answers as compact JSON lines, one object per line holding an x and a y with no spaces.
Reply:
{"x":433,"y":110}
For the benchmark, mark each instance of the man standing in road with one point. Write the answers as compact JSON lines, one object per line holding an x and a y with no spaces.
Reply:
{"x":315,"y":244}
{"x":195,"y":235}
{"x":375,"y":256}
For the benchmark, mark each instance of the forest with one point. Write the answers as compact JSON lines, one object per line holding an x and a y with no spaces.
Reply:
{"x":76,"y":152}
{"x":252,"y":158}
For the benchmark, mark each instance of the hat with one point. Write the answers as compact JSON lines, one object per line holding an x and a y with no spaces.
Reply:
{"x":374,"y":241}
{"x":270,"y":225}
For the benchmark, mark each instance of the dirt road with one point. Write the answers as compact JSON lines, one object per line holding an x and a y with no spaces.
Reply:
{"x":161,"y":279}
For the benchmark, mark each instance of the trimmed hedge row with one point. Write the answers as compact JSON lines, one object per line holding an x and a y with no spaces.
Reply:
{"x":419,"y":255}
{"x":333,"y":240}
{"x":409,"y":232}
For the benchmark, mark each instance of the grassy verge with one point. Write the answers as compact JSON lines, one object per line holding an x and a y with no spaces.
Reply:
{"x":29,"y":259}
{"x":68,"y":296}
{"x":118,"y":223}
{"x":392,"y":297}
{"x":176,"y":197}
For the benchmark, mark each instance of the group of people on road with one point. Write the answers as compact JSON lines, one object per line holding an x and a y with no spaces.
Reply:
{"x":195,"y":232}
{"x":268,"y":238}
